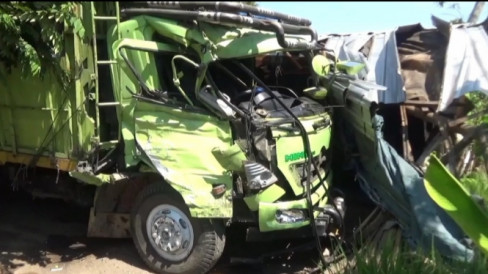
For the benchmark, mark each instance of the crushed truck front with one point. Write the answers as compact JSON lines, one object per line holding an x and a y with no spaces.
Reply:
{"x":214,"y":73}
{"x":188,"y":116}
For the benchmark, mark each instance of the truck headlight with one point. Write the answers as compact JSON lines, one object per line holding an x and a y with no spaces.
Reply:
{"x":292,"y":215}
{"x":258,"y":176}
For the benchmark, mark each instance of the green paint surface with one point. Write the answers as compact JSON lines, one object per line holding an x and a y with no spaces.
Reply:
{"x":267,"y":210}
{"x":193,"y":152}
{"x":290,"y":149}
{"x":36,"y":112}
{"x":269,"y":195}
{"x":179,"y":145}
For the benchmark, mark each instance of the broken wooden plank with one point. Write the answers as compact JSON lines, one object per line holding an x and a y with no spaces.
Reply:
{"x":407,"y":150}
{"x":431,"y":146}
{"x":421,"y":103}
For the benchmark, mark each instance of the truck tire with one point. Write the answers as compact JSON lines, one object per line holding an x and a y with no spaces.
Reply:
{"x":168,"y":239}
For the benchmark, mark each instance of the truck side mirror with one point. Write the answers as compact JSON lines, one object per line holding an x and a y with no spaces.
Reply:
{"x":321,"y":65}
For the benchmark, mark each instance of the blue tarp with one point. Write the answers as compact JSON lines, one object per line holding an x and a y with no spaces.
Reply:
{"x":398,"y":187}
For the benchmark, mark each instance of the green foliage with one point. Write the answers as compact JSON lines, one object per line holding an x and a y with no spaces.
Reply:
{"x":383,"y":250}
{"x":388,"y":260}
{"x":480,"y":102}
{"x":477,"y":183}
{"x":479,"y":117}
{"x":32,"y":35}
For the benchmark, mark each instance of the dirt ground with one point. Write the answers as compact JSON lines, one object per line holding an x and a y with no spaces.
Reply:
{"x":48,"y":236}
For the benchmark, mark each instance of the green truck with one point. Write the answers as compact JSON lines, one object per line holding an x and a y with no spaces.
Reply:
{"x":182,"y":118}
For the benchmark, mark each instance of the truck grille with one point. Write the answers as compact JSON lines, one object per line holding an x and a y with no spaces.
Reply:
{"x":321,"y":163}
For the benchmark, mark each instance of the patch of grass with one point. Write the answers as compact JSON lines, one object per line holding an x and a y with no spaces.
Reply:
{"x":388,"y":260}
{"x":380,"y":248}
{"x":477,"y":183}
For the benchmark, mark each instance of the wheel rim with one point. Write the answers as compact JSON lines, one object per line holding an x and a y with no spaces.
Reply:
{"x":170,"y":232}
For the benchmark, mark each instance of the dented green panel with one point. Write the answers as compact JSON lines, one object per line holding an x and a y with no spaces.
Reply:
{"x":125,"y":83}
{"x":268,"y":195}
{"x":192,"y":151}
{"x":230,"y":157}
{"x":179,"y":145}
{"x":154,"y":137}
{"x":290,"y":150}
{"x":226,"y":42}
{"x":267,"y":211}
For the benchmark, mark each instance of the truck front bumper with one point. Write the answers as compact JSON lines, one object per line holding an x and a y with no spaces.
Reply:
{"x":271,"y":213}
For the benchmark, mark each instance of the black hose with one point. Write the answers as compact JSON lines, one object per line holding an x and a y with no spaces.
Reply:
{"x":135,"y":72}
{"x":221,"y":96}
{"x":222,"y":6}
{"x":306,"y":143}
{"x":280,"y":30}
{"x":237,"y":20}
{"x":228,"y":72}
{"x":212,"y":83}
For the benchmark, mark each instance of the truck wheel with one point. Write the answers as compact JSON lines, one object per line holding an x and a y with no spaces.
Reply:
{"x":168,"y":239}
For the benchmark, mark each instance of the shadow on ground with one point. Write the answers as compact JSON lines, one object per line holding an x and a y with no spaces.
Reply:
{"x":43,"y":232}
{"x":46,"y":232}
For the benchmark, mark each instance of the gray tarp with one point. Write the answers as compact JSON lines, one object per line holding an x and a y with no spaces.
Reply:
{"x":401,"y":190}
{"x":464,"y":66}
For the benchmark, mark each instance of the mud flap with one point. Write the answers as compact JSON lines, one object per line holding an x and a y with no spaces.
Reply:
{"x":108,"y":225}
{"x":451,"y":196}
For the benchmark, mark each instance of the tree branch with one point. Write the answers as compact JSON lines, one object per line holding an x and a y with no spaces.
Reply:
{"x":475,"y":13}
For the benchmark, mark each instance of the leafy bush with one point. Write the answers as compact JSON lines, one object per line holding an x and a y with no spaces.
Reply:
{"x":414,"y":262}
{"x":480,"y":102}
{"x":477,"y":183}
{"x":32,"y":35}
{"x":390,"y":259}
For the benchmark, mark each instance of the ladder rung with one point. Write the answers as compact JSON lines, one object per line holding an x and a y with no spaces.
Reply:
{"x":108,"y":104}
{"x":105,"y":18}
{"x":106,"y":62}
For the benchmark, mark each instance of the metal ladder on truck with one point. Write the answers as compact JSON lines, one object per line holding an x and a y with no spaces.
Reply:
{"x":95,"y":77}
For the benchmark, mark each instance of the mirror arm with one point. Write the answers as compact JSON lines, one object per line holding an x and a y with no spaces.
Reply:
{"x":176,"y":79}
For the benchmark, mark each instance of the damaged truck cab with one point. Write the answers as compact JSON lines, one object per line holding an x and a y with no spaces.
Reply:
{"x":215,"y":115}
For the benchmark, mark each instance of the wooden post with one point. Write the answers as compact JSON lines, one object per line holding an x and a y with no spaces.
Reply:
{"x":407,"y":150}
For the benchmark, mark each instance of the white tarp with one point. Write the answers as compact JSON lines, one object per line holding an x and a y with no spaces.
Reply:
{"x":382,"y":63}
{"x":466,"y":67}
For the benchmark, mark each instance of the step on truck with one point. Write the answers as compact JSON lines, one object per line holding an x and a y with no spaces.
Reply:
{"x":180,"y":119}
